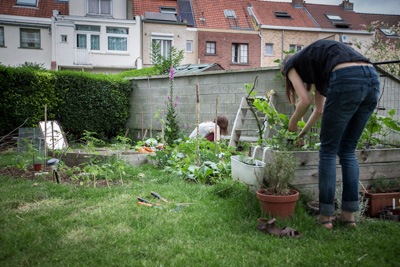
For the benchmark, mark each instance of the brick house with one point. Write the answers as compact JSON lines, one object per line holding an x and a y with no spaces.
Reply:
{"x":111,"y":35}
{"x":226,"y":34}
{"x":168,"y":23}
{"x":292,"y":26}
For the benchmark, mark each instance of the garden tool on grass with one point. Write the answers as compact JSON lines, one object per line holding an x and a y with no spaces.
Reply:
{"x":154,"y":194}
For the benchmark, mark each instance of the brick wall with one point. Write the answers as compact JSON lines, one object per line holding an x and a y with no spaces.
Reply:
{"x":224,"y":43}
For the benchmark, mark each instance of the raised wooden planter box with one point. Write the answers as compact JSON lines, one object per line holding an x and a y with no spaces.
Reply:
{"x":374,"y":164}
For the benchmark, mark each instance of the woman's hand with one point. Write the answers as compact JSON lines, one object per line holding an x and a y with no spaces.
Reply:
{"x":292,"y":127}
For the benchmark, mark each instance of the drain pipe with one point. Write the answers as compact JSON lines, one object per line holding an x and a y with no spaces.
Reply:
{"x":283,"y":40}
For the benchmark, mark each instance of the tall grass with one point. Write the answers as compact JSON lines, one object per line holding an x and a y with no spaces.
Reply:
{"x":43,"y":223}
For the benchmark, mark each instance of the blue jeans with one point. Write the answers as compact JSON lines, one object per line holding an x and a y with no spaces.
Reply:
{"x":352,"y":97}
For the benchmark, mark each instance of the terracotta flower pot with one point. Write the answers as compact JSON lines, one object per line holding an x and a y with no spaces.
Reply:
{"x":278,"y":206}
{"x":378,"y":201}
{"x":37,"y":167}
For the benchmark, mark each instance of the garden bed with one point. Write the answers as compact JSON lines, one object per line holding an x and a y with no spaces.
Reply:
{"x":374,"y":164}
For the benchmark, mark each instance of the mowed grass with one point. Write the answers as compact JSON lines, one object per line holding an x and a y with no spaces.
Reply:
{"x":43,"y":223}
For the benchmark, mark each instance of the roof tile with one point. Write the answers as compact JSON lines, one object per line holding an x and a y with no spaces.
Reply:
{"x":299,"y":17}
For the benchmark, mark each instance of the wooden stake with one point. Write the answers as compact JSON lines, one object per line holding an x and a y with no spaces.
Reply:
{"x":216,"y":126}
{"x":45,"y":136}
{"x":198,"y":122}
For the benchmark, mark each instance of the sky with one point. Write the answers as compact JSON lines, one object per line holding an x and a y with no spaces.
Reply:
{"x":362,"y":6}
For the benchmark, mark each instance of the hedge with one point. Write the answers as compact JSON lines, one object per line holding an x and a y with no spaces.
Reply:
{"x":79,"y":101}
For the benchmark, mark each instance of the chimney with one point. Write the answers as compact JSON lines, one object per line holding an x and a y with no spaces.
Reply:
{"x":346,"y":5}
{"x":297,"y":2}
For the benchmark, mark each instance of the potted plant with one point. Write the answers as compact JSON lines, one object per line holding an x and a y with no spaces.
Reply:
{"x":248,"y":170}
{"x":277,"y":198}
{"x":383,"y":194}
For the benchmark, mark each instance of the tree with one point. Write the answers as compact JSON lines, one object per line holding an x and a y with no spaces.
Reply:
{"x":163,"y":64}
{"x":385,"y":46}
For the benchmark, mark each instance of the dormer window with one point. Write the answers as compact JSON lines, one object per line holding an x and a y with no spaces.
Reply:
{"x":230,"y":14}
{"x":337,"y":21}
{"x":168,"y":10}
{"x":388,"y":32}
{"x":282,"y":14}
{"x":32,"y":3}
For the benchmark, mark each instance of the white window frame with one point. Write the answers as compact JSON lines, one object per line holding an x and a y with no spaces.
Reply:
{"x":166,"y":42}
{"x":240,"y":53}
{"x":2,"y":39}
{"x":269,"y":49}
{"x":295,"y":47}
{"x":33,"y":34}
{"x":90,"y":34}
{"x":189,"y":46}
{"x":99,"y":7}
{"x":122,"y":36}
{"x":211,"y":48}
{"x":31,"y":3}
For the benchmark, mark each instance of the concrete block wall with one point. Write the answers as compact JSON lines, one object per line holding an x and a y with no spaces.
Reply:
{"x":150,"y":94}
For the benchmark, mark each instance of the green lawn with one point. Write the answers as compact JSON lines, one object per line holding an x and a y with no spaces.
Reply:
{"x":43,"y":223}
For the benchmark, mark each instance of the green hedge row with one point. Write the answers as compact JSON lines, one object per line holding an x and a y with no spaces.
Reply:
{"x":80,"y":101}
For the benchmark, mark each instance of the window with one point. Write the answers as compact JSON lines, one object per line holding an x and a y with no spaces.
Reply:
{"x":99,"y":7}
{"x":295,"y":48}
{"x":269,"y":49}
{"x":211,"y":48}
{"x":88,"y":36}
{"x":281,"y":14}
{"x":229,"y":13}
{"x":30,"y":38}
{"x":2,"y":37}
{"x":27,"y":3}
{"x":168,"y":10}
{"x":117,"y":38}
{"x":163,"y":44}
{"x":388,"y":32}
{"x":64,"y":38}
{"x":337,"y":21}
{"x":239,"y":53}
{"x":189,"y":46}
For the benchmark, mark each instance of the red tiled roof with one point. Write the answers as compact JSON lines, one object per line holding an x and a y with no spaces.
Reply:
{"x":299,"y":17}
{"x":210,"y":14}
{"x":390,"y":20}
{"x":318,"y":12}
{"x":142,"y":6}
{"x":44,"y":10}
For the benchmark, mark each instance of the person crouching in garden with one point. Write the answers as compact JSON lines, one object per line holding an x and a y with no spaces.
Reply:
{"x":207,"y":129}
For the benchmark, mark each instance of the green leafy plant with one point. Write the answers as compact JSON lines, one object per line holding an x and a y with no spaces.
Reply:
{"x":282,"y":138}
{"x":163,"y":64}
{"x":280,"y":172}
{"x":382,"y":185}
{"x":378,"y":128}
{"x":181,"y":161}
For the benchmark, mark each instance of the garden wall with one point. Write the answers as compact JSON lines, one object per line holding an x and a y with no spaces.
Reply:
{"x":149,"y":96}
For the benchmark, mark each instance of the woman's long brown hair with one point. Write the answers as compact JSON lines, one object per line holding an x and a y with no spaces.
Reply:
{"x":290,"y":92}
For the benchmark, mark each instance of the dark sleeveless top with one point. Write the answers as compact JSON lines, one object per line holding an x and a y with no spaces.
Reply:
{"x":315,"y":62}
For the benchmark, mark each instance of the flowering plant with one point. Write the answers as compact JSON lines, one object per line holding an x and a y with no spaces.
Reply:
{"x":171,"y":125}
